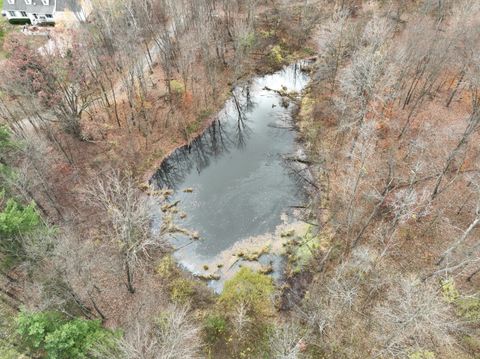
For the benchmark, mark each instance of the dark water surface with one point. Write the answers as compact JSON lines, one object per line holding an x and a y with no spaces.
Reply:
{"x":241,"y":183}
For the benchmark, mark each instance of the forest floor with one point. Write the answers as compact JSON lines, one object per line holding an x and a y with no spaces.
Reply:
{"x":421,"y":240}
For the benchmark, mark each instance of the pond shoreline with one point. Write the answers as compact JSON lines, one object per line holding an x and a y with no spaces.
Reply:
{"x":296,"y":284}
{"x":260,"y":245}
{"x":150,"y":172}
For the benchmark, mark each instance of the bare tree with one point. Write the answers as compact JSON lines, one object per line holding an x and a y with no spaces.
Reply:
{"x":358,"y":84}
{"x":336,"y":42}
{"x":421,"y":64}
{"x":173,"y":335}
{"x":414,"y":315}
{"x":288,"y":341}
{"x":328,"y":303}
{"x":467,"y":232}
{"x":129,"y":215}
{"x":472,"y":125}
{"x":361,"y":155}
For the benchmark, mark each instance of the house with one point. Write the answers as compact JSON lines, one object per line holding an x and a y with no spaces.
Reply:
{"x":44,"y":12}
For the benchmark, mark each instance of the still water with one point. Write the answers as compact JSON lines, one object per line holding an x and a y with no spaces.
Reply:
{"x":241,"y":183}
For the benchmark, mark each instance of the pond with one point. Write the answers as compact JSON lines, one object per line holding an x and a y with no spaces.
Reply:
{"x":236,"y":183}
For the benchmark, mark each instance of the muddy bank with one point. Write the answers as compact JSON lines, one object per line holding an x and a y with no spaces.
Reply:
{"x":296,"y":283}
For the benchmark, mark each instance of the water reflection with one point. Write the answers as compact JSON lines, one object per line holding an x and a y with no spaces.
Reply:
{"x":230,"y":130}
{"x":237,"y":169}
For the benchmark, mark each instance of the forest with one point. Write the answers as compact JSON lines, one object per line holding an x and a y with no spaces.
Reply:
{"x":285,"y":179}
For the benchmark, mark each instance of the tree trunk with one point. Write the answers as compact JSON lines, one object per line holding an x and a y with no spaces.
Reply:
{"x":129,"y":283}
{"x":465,"y":235}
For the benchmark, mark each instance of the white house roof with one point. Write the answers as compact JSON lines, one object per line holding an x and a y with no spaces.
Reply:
{"x":35,"y":6}
{"x":38,"y":6}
